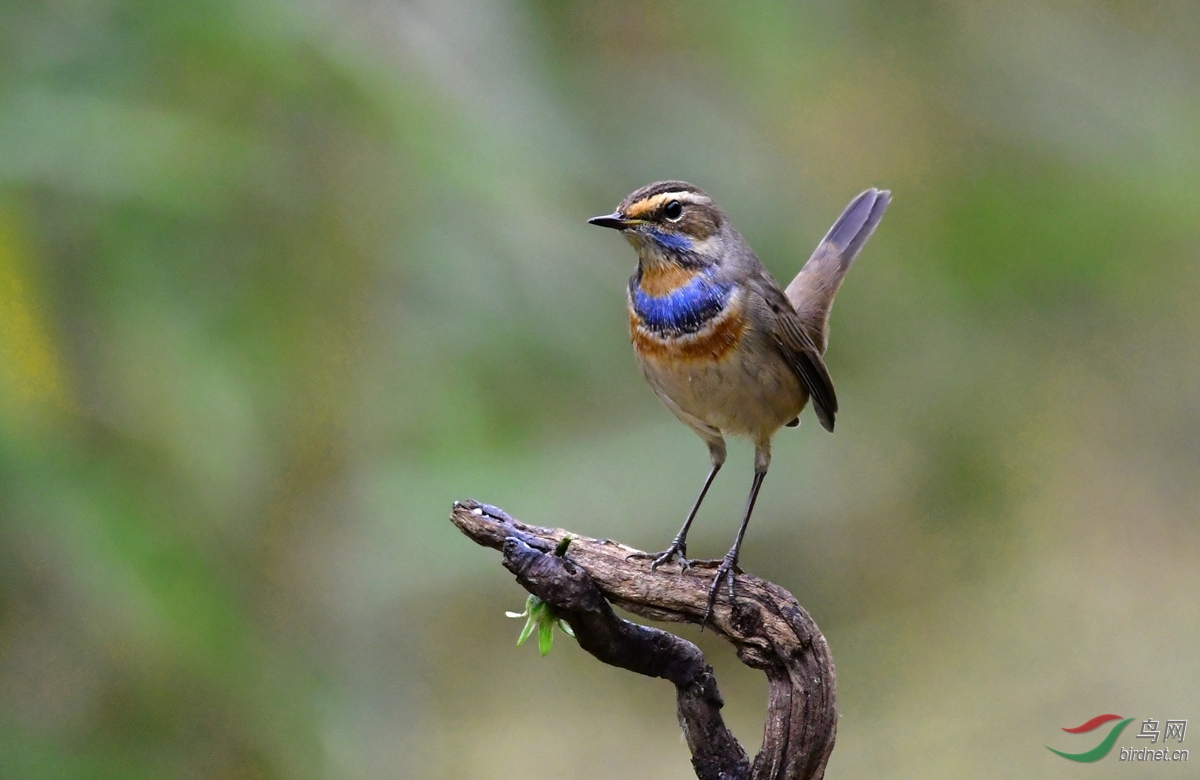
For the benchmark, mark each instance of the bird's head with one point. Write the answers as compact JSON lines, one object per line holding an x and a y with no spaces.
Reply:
{"x":670,"y":222}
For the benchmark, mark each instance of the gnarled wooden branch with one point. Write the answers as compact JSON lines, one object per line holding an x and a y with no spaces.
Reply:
{"x":769,"y":630}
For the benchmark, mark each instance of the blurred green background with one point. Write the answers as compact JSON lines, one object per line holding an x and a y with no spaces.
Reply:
{"x":280,"y":281}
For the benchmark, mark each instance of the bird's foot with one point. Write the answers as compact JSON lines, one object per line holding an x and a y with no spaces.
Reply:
{"x":725,"y":571}
{"x":677,"y":549}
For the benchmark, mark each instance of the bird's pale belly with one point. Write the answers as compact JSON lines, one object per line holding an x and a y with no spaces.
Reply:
{"x":749,"y":391}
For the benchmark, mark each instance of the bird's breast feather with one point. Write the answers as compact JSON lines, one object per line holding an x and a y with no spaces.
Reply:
{"x":713,"y":338}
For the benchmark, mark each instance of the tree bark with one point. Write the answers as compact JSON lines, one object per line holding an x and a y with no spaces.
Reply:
{"x":765,"y":624}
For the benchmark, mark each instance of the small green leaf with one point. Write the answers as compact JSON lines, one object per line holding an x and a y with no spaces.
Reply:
{"x":561,"y":549}
{"x":538,"y":615}
{"x":526,"y":631}
{"x":531,"y":615}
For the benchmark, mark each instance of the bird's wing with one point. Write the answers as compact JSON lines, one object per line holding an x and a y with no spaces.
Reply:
{"x":799,"y":351}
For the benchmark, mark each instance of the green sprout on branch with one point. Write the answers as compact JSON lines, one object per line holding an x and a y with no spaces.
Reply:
{"x":538,"y":615}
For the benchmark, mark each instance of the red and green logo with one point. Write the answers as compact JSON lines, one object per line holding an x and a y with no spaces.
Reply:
{"x":1101,"y":750}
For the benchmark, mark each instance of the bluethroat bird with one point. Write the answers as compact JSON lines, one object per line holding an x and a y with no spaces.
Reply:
{"x":722,"y":345}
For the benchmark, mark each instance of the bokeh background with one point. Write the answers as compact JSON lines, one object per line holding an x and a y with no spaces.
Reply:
{"x":280,"y":281}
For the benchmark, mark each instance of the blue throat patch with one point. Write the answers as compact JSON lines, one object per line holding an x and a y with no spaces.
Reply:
{"x":684,"y":310}
{"x":670,"y":240}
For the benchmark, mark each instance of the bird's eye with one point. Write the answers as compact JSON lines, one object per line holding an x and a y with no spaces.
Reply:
{"x":673,"y":211}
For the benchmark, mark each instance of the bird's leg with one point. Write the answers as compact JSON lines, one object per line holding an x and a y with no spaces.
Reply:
{"x":731,"y":558}
{"x":678,"y":548}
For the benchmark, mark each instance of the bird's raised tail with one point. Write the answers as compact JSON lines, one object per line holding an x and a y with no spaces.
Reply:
{"x":811,"y":292}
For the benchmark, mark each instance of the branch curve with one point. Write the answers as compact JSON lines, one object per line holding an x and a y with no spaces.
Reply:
{"x":767,"y":627}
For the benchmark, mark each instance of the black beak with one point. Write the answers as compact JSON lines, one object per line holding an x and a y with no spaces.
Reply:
{"x":614,"y":221}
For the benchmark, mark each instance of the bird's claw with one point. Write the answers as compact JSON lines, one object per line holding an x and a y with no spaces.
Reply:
{"x":725,"y":570}
{"x":676,"y":550}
